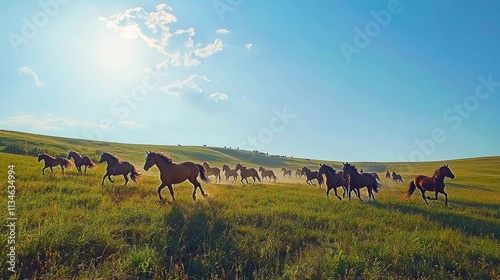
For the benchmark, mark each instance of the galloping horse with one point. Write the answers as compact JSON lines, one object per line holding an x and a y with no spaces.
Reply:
{"x":245,"y":173}
{"x":387,"y":175}
{"x":267,"y":174}
{"x":434,"y":183}
{"x":215,"y":171}
{"x":117,"y":167}
{"x":51,"y":161}
{"x":311,"y":175}
{"x":357,"y":181}
{"x":397,"y":178}
{"x":286,"y":172}
{"x":228,"y":172}
{"x":81,"y":161}
{"x":173,"y":173}
{"x":334,"y":180}
{"x":298,"y":173}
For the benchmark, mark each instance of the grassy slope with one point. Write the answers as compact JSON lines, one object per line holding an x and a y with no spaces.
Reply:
{"x":70,"y":226}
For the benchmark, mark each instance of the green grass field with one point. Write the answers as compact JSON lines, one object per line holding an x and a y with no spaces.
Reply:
{"x":69,"y":226}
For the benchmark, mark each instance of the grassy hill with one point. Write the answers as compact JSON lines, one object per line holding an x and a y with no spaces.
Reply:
{"x":69,"y":226}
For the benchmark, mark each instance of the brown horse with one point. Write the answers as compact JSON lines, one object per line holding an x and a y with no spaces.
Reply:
{"x":245,"y":173}
{"x":334,"y":180}
{"x":397,"y":178}
{"x":434,"y":183}
{"x":215,"y":171}
{"x":117,"y":167}
{"x":228,"y":172}
{"x":358,"y":180}
{"x":298,"y":173}
{"x":267,"y":174}
{"x":286,"y":172}
{"x":175,"y":173}
{"x":311,"y":175}
{"x":81,"y":161}
{"x":387,"y":175}
{"x":51,"y":161}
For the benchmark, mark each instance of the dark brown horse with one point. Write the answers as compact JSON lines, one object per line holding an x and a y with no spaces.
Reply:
{"x":434,"y":183}
{"x":51,"y":161}
{"x":334,"y":180}
{"x":175,"y":173}
{"x":286,"y":172}
{"x":118,"y":167}
{"x":311,"y":175}
{"x":81,"y":161}
{"x":267,"y":174}
{"x":215,"y":171}
{"x":397,"y":178}
{"x":387,"y":175}
{"x":358,"y":180}
{"x":228,"y":172}
{"x":245,"y":173}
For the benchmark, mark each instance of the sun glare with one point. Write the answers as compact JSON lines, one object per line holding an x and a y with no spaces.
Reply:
{"x":115,"y":52}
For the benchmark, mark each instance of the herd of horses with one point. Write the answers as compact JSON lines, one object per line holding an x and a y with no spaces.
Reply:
{"x":349,"y":178}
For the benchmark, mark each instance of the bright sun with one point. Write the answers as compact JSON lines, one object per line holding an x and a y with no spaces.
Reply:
{"x":115,"y":52}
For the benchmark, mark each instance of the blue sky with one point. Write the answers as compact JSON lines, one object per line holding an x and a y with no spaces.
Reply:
{"x":336,"y":80}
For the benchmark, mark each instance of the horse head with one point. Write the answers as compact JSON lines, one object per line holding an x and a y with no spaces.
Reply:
{"x":149,"y":162}
{"x":446,"y":172}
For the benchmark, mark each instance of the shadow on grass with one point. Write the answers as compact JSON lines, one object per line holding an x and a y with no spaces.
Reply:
{"x":469,"y":187}
{"x":466,"y":224}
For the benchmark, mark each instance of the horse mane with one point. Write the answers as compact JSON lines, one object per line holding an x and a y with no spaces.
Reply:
{"x":353,"y":167}
{"x":47,"y":155}
{"x":77,"y":153}
{"x":438,"y":171}
{"x":329,"y":168}
{"x":113,"y":157}
{"x":164,"y":156}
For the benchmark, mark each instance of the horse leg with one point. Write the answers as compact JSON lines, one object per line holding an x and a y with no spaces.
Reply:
{"x":43,"y":170}
{"x":62,"y":169}
{"x":336,"y":194}
{"x":445,"y":198}
{"x":126,"y":178}
{"x":359,"y":194}
{"x":160,"y":187}
{"x":171,"y":190}
{"x":85,"y":169}
{"x":104,"y":177}
{"x":110,"y":179}
{"x":51,"y":169}
{"x":423,"y":196}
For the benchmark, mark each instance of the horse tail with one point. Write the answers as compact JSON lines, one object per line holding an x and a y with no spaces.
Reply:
{"x":203,"y":176}
{"x":91,"y":163}
{"x":411,"y":189}
{"x":257,"y":175}
{"x":67,"y":163}
{"x":134,"y":174}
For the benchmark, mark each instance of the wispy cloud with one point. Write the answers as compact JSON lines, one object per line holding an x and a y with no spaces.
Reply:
{"x":249,"y":45}
{"x":222,"y":31}
{"x":47,"y":122}
{"x":27,"y":70}
{"x":218,"y":96}
{"x":192,"y":83}
{"x":156,"y":29}
{"x":131,"y":124}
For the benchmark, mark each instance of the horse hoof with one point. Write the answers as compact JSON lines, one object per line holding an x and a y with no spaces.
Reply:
{"x":194,"y":197}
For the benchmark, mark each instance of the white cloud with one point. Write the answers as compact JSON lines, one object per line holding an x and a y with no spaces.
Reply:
{"x":222,"y":31}
{"x":190,"y":84}
{"x":249,"y":46}
{"x":218,"y":96}
{"x":47,"y":122}
{"x":29,"y":71}
{"x":155,"y":29}
{"x":210,"y":49}
{"x":131,"y":124}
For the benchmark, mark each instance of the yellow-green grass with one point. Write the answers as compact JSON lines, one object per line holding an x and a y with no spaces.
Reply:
{"x":69,"y":226}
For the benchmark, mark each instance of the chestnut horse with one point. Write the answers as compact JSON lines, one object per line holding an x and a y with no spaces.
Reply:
{"x":434,"y":183}
{"x":81,"y":161}
{"x":215,"y":171}
{"x":228,"y":172}
{"x":245,"y":173}
{"x":175,"y":173}
{"x":118,"y":167}
{"x":311,"y":175}
{"x":267,"y":174}
{"x":298,"y":173}
{"x":358,"y":180}
{"x":286,"y":172}
{"x":334,"y":180}
{"x":51,"y":161}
